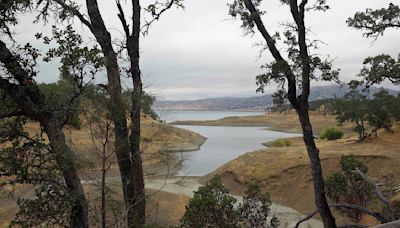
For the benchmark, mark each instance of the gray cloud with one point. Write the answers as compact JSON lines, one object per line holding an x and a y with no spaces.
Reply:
{"x":201,"y":52}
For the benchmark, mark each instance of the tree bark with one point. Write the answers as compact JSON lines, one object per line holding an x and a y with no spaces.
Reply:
{"x":299,"y":103}
{"x":33,"y":105}
{"x":134,"y":55}
{"x":66,"y":162}
{"x":316,"y":169}
{"x":127,"y":149}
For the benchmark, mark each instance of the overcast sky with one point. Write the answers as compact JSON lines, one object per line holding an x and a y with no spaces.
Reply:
{"x":201,"y":52}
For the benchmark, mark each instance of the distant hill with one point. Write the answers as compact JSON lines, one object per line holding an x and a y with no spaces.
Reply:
{"x":256,"y":102}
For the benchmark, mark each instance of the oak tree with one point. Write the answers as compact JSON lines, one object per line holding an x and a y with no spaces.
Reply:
{"x":293,"y":73}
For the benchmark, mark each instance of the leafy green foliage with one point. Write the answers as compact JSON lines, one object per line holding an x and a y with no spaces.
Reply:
{"x":379,"y":68}
{"x":332,"y":134}
{"x":9,"y":10}
{"x":348,"y":187}
{"x":382,"y":111}
{"x":147,"y":101}
{"x":237,"y":9}
{"x":255,"y":208}
{"x":50,"y":207}
{"x":375,"y":22}
{"x":379,"y":112}
{"x":353,"y":108}
{"x":212,"y":206}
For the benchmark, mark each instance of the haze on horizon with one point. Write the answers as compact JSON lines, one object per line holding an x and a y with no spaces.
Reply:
{"x":201,"y":52}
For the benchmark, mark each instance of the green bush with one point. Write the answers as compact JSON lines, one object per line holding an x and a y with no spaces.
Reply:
{"x":213,"y":206}
{"x":332,"y":134}
{"x":75,"y":121}
{"x":281,"y":143}
{"x":348,"y":187}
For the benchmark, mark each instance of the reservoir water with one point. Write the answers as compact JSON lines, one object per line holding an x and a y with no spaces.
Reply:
{"x":223,"y":144}
{"x":171,"y":116}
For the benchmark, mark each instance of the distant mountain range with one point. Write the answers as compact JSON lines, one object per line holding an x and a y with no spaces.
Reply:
{"x":256,"y":102}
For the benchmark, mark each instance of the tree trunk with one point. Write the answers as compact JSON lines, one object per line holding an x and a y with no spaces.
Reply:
{"x":134,"y":55}
{"x":103,"y":190}
{"x":127,"y":154}
{"x":65,"y":159}
{"x":33,"y":105}
{"x":316,"y":169}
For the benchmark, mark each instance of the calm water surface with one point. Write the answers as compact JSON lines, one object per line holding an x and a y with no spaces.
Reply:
{"x":171,"y":116}
{"x":223,"y":145}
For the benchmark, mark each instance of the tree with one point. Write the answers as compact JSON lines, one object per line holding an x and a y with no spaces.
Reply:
{"x":18,"y":86}
{"x":212,"y":206}
{"x":348,"y":187}
{"x":127,"y":144}
{"x":378,"y":113}
{"x":100,"y":125}
{"x":353,"y":108}
{"x":293,"y":73}
{"x":255,"y":209}
{"x":382,"y":110}
{"x":374,"y":23}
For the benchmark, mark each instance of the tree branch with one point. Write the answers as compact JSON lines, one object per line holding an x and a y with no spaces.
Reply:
{"x":275,"y":52}
{"x":378,"y":193}
{"x":156,"y":15}
{"x":121,"y":16}
{"x":308,"y":217}
{"x":75,"y":12}
{"x":374,"y":214}
{"x":11,"y":114}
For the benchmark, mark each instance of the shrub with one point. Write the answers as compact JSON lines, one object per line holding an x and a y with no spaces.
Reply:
{"x":213,"y":206}
{"x":348,"y":187}
{"x":332,"y":134}
{"x":281,"y":143}
{"x":75,"y":121}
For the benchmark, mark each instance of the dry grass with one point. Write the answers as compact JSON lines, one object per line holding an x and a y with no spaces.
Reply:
{"x":274,"y":121}
{"x":157,"y":138}
{"x":285,"y":172}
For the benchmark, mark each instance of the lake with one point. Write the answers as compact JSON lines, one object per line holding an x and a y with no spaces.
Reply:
{"x":223,"y":143}
{"x":171,"y":116}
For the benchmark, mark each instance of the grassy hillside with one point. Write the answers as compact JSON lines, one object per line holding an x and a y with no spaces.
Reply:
{"x":274,"y":121}
{"x":158,"y":140}
{"x":285,"y":171}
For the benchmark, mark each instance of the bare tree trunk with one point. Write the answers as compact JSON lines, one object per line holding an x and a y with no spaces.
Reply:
{"x":133,"y":52}
{"x":316,"y":169}
{"x":103,"y":191}
{"x":65,"y":159}
{"x":130,"y":164}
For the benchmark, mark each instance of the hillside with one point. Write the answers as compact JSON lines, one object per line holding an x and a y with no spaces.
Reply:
{"x":254,"y":103}
{"x":279,"y":170}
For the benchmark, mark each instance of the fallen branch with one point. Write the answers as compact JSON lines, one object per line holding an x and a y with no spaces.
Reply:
{"x":374,"y":214}
{"x":391,"y":213}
